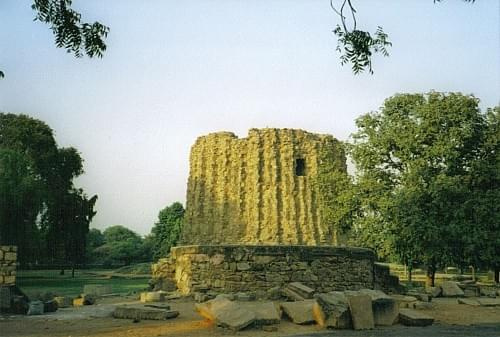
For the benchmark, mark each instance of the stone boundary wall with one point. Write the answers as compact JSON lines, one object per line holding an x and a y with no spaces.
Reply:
{"x":233,"y":268}
{"x":8,"y":260}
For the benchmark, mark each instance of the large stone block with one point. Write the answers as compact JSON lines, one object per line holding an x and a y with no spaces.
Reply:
{"x":226,"y":313}
{"x":300,"y":312}
{"x":331,"y":310}
{"x":451,"y":289}
{"x":138,"y":312}
{"x":360,"y":306}
{"x":385,"y":308}
{"x":414,"y":318}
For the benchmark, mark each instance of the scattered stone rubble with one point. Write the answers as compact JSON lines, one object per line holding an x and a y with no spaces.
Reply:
{"x":360,"y":309}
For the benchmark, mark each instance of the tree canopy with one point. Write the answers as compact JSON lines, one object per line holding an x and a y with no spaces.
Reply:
{"x":41,"y":211}
{"x":428,"y":180}
{"x":166,"y":231}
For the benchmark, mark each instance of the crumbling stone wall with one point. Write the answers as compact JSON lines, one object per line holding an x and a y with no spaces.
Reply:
{"x":233,"y":268}
{"x":8,"y":259}
{"x":259,"y":189}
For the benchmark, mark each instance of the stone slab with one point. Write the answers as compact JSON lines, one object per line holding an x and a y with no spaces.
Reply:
{"x":140,"y":312}
{"x":331,"y":310}
{"x":35,"y":308}
{"x":300,"y":312}
{"x":152,"y":296}
{"x":468,"y":301}
{"x":301,"y":289}
{"x":63,"y":301}
{"x":361,"y":311}
{"x":266,"y":313}
{"x":451,"y":289}
{"x":292,"y":295}
{"x":226,"y":313}
{"x":489,"y":302}
{"x":385,"y":308}
{"x":411,"y":317}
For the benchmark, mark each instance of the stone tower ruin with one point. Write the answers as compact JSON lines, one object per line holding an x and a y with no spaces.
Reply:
{"x":260,"y":189}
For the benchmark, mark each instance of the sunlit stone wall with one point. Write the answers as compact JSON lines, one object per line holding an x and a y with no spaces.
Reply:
{"x":259,"y":189}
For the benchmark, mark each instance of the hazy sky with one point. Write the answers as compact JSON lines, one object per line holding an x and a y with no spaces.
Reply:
{"x":176,"y":70}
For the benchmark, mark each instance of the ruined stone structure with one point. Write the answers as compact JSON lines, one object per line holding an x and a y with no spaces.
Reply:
{"x":260,"y":189}
{"x":259,"y":268}
{"x":8,"y":259}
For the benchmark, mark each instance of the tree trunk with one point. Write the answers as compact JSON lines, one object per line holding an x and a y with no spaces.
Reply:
{"x":431,"y":273}
{"x":496,"y":270}
{"x":61,"y":272}
{"x":73,"y":272}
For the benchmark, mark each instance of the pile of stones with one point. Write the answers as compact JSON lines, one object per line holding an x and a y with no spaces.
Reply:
{"x":361,"y":309}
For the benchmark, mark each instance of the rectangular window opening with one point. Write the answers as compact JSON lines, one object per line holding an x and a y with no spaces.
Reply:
{"x":300,"y":167}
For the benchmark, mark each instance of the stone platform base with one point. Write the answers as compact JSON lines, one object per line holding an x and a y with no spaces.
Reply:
{"x":235,"y":268}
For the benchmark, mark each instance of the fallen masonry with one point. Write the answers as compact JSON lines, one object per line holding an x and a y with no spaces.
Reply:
{"x":142,"y":312}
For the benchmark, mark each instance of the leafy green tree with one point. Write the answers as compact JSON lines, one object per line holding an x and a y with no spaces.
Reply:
{"x":357,"y":46}
{"x":121,"y":245}
{"x":166,"y":231}
{"x":95,"y":239}
{"x":70,"y":32}
{"x":336,"y":191}
{"x":36,"y":182}
{"x":414,"y":158}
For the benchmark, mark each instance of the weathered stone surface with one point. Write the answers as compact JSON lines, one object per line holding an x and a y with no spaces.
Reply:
{"x":266,"y":313}
{"x":152,"y":296}
{"x":139,"y":312}
{"x":385,"y":308}
{"x":270,"y":328}
{"x":411,"y":317}
{"x":319,"y":267}
{"x":226,"y":313}
{"x":300,"y":312}
{"x":291,"y":294}
{"x":301,"y":289}
{"x":8,"y":259}
{"x":35,"y":308}
{"x":63,"y":301}
{"x":419,"y":305}
{"x":259,"y":189}
{"x":336,"y":316}
{"x":97,"y":289}
{"x":361,"y":311}
{"x":84,"y":299}
{"x":451,"y":289}
{"x":468,"y":301}
{"x":331,"y":310}
{"x":404,"y":301}
{"x":489,"y":302}
{"x":434,"y":291}
{"x":488,"y":291}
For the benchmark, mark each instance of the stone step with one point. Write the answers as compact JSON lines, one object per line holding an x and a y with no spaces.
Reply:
{"x":301,"y":289}
{"x":292,"y":295}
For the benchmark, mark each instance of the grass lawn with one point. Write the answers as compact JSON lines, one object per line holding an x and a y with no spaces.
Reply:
{"x":33,"y":282}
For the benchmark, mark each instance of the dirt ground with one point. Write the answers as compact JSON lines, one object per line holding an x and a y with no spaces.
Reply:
{"x":96,"y":321}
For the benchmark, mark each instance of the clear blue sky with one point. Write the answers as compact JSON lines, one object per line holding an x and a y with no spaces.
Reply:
{"x":175,"y":70}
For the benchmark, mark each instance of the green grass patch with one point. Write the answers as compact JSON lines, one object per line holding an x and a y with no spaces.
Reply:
{"x":34,"y":282}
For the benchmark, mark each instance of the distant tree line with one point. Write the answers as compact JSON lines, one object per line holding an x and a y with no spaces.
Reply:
{"x":426,"y":190}
{"x":118,"y":245}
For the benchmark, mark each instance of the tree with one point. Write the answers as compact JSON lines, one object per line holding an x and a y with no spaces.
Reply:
{"x":70,"y":32}
{"x":166,"y":231}
{"x":36,"y":182}
{"x":357,"y":46}
{"x":337,"y":197}
{"x":414,"y":158}
{"x":121,"y":245}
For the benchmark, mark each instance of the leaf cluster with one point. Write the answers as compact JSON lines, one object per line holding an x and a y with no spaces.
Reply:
{"x":70,"y":33}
